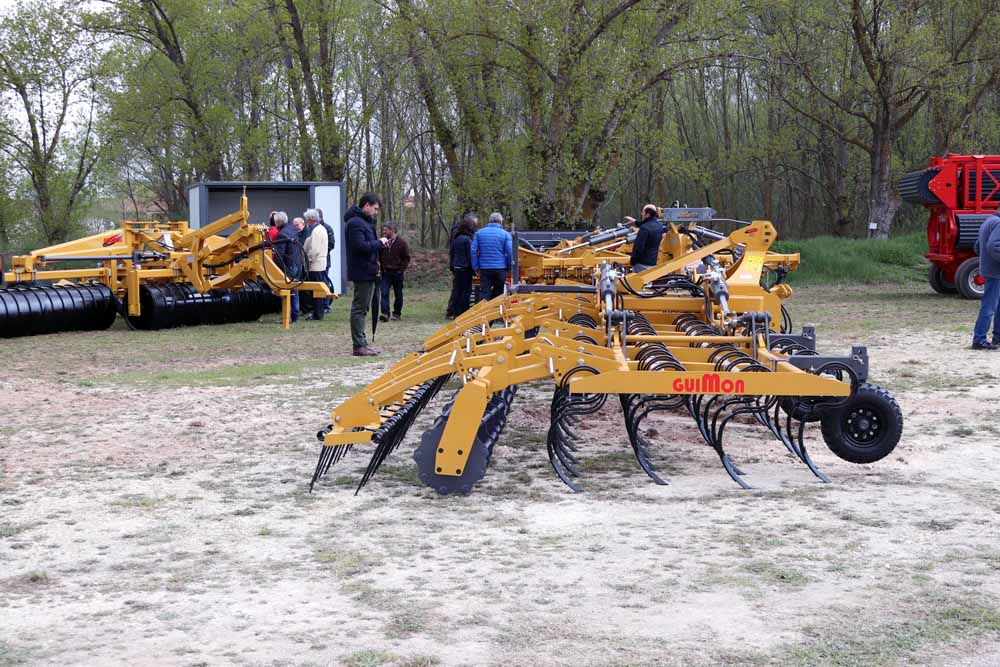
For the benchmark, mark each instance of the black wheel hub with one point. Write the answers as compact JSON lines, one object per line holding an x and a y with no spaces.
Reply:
{"x":862,"y":425}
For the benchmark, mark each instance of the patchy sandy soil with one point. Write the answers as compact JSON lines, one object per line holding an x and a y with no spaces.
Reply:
{"x":167,"y":521}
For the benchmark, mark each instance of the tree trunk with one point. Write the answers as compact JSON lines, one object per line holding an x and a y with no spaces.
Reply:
{"x":883,"y":201}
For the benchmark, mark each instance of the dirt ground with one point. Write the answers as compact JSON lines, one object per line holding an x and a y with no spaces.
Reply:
{"x":154,"y":509}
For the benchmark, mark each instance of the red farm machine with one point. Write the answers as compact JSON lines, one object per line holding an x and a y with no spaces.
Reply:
{"x":960,"y":191}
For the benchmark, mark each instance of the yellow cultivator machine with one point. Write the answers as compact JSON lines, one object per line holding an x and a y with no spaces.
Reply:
{"x":700,"y":334}
{"x":156,"y":274}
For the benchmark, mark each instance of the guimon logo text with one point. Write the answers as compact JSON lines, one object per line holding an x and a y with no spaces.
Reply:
{"x":709,"y":383}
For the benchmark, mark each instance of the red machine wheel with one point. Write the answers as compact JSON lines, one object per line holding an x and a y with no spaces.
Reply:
{"x":969,"y":282}
{"x":936,"y":279}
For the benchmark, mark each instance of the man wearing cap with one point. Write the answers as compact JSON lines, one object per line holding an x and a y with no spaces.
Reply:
{"x":646,"y":247}
{"x":492,"y":256}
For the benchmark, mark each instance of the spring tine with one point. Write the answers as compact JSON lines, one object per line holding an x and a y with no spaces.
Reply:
{"x":559,"y":470}
{"x":784,"y":432}
{"x":642,"y":457}
{"x":805,"y":454}
{"x":733,"y":471}
{"x":565,"y":458}
{"x":565,"y":448}
{"x":634,"y":409}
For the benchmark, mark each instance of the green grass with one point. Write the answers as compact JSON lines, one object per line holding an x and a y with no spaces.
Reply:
{"x":228,"y":355}
{"x":830,"y":260}
{"x":889,"y":641}
{"x":368,"y":658}
{"x":235,"y":375}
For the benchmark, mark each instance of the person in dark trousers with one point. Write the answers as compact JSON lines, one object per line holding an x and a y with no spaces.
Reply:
{"x":646,"y":247}
{"x":317,"y":252}
{"x":468,"y":218}
{"x":331,"y":244}
{"x":288,"y":256}
{"x":988,"y":249}
{"x":306,"y":298}
{"x":492,"y":253}
{"x":394,"y":258}
{"x":460,"y":263}
{"x":362,"y":265}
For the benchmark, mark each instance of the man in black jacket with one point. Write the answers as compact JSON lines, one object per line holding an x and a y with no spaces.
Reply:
{"x":646,"y":247}
{"x":331,"y":243}
{"x":362,"y":265}
{"x":288,"y":256}
{"x":460,"y":263}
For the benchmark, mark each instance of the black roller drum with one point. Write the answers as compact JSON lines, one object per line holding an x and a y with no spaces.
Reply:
{"x":44,"y":309}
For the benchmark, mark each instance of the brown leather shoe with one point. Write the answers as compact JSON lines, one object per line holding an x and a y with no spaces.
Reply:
{"x":364,"y":352}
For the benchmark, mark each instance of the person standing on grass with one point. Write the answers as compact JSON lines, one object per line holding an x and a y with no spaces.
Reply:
{"x":394,"y":257}
{"x":306,"y":298}
{"x":331,"y":244}
{"x":460,"y":263}
{"x":288,"y":256}
{"x":492,"y":256}
{"x":317,"y":249}
{"x":469,"y":219}
{"x":362,"y":265}
{"x":988,"y":249}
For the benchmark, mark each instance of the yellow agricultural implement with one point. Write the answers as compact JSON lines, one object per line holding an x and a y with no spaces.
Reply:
{"x":698,"y":334}
{"x":157,"y":274}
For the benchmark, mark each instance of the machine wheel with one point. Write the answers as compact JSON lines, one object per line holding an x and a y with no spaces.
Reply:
{"x":969,"y":282}
{"x":936,"y":279}
{"x":866,"y":428}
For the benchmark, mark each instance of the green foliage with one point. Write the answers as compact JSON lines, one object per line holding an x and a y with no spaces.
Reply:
{"x":555,"y":115}
{"x":46,"y":126}
{"x":830,"y":260}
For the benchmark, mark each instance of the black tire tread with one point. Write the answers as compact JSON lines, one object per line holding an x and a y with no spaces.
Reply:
{"x":962,"y":279}
{"x":834,"y":438}
{"x":935,"y":277}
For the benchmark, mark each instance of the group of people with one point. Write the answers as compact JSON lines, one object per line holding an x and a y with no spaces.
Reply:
{"x":304,"y":248}
{"x":366,"y":255}
{"x":487,"y":252}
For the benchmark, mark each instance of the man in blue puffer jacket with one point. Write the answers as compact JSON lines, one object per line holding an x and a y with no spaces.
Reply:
{"x":362,"y":265}
{"x":988,"y":249}
{"x":492,"y":256}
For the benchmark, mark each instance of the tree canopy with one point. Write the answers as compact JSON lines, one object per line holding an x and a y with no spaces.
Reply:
{"x":561,"y":114}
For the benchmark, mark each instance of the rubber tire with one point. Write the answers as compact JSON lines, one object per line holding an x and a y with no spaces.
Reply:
{"x":935,"y":276}
{"x":876,"y":399}
{"x":964,"y":276}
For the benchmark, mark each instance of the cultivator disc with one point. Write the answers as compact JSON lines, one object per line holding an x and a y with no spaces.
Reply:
{"x":692,"y":336}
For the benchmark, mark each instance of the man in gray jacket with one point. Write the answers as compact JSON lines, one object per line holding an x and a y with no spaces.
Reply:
{"x":988,"y":249}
